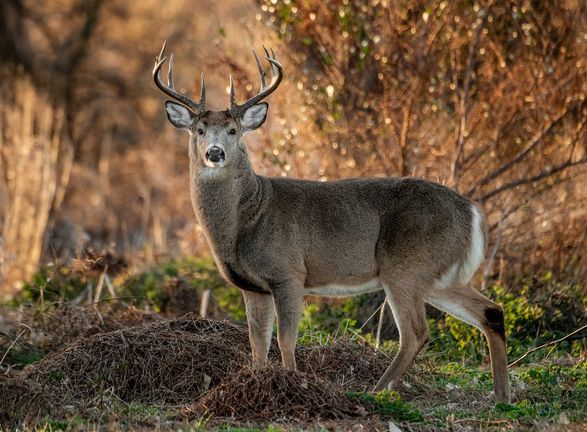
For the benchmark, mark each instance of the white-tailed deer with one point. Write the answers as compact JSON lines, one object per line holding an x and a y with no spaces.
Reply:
{"x":279,"y":240}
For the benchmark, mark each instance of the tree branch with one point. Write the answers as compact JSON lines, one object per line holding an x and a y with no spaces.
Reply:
{"x":524,"y":152}
{"x":465,"y":95}
{"x":538,"y":177}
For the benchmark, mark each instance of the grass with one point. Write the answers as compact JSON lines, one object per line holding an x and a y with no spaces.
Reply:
{"x":454,"y":395}
{"x":449,"y":387}
{"x":388,"y":404}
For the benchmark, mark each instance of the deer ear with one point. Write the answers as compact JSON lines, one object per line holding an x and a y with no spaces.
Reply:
{"x":179,"y":116}
{"x":255,"y":116}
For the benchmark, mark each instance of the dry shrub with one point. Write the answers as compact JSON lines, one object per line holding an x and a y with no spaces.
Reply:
{"x":276,"y":393}
{"x":352,"y":365}
{"x":169,"y":362}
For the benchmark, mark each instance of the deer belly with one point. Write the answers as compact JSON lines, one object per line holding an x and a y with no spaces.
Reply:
{"x":344,"y":290}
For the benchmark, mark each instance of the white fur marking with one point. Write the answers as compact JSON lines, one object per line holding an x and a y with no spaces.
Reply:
{"x":464,"y":270}
{"x":455,"y":310}
{"x":447,"y":279}
{"x":476,"y":251}
{"x":337,"y":290}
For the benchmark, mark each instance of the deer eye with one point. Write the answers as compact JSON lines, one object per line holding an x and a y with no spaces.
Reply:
{"x":232,"y":131}
{"x":200,"y":131}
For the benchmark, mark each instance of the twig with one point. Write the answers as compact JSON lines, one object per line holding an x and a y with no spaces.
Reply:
{"x":109,"y":285}
{"x":204,"y":301}
{"x":98,"y":292}
{"x":547,"y":344}
{"x":538,"y":177}
{"x":371,"y":316}
{"x":14,"y":342}
{"x":380,"y":325}
{"x":524,"y":152}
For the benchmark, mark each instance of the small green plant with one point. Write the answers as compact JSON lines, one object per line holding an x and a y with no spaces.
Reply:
{"x":51,"y":283}
{"x":388,"y":403}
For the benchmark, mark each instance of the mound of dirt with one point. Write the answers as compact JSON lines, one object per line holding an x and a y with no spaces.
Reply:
{"x":275,"y":393}
{"x":165,"y":362}
{"x":352,"y":365}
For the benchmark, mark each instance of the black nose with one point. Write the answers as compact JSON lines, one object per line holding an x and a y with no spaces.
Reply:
{"x":215,"y":154}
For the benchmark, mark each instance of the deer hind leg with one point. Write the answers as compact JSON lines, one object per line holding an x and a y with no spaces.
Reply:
{"x":474,"y":308}
{"x":289,"y":304}
{"x":260,"y":318}
{"x":409,"y":312}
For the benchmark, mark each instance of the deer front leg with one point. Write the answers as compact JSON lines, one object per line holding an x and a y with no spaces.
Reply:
{"x":260,"y":318}
{"x":289,"y":301}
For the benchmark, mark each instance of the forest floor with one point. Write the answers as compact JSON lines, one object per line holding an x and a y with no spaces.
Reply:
{"x":112,"y":366}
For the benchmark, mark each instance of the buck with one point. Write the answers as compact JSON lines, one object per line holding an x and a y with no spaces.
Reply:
{"x":279,"y":239}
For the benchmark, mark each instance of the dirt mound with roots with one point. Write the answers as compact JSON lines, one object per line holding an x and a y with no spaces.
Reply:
{"x":192,"y":362}
{"x":64,"y":323}
{"x":165,"y":362}
{"x":22,"y":399}
{"x":352,"y":365}
{"x":276,"y":393}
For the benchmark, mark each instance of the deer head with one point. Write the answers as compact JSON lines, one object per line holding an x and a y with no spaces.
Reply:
{"x":215,"y":136}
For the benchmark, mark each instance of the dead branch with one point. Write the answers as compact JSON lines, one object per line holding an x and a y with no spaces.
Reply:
{"x":555,"y":342}
{"x":534,"y":142}
{"x":544,"y":174}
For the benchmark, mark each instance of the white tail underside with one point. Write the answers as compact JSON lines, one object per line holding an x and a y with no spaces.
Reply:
{"x":462,"y":272}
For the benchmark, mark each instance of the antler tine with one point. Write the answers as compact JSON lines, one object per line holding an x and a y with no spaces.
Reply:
{"x":274,"y":57}
{"x":261,"y":71}
{"x":202,"y":103}
{"x":170,"y":73}
{"x":276,"y":77}
{"x":270,"y":55}
{"x":232,"y":95}
{"x":169,"y":89}
{"x":160,"y":56}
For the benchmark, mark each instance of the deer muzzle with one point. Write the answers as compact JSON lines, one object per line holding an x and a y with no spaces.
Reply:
{"x":215,"y":155}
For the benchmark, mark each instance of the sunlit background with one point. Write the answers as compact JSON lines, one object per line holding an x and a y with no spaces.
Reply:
{"x":487,"y":97}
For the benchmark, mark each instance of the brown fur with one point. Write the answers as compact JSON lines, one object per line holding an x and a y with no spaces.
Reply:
{"x":277,"y":238}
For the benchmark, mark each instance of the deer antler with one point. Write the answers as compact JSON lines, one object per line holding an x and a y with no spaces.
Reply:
{"x":276,"y":76}
{"x":169,"y":89}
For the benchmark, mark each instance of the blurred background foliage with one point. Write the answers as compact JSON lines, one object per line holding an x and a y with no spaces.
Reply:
{"x":487,"y":97}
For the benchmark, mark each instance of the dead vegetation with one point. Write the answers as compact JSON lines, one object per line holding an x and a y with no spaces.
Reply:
{"x":176,"y":362}
{"x":351,"y":365}
{"x":22,"y":399}
{"x":165,"y":362}
{"x":130,"y":365}
{"x":275,"y":393}
{"x":63,"y":323}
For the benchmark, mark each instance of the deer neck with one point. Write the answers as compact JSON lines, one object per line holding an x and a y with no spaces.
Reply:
{"x":225,"y":201}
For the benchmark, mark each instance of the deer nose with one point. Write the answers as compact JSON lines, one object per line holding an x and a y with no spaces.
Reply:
{"x":215,"y":154}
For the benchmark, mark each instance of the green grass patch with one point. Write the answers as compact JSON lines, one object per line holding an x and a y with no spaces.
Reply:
{"x":388,"y":404}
